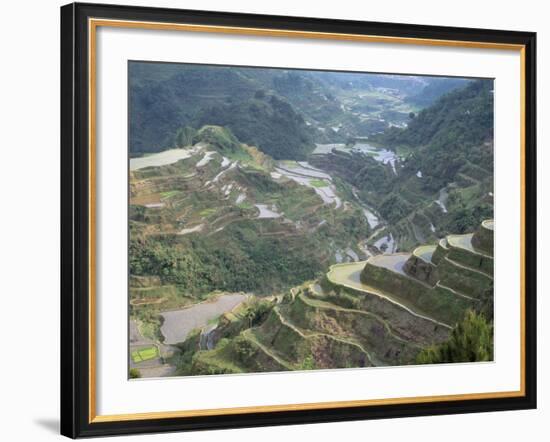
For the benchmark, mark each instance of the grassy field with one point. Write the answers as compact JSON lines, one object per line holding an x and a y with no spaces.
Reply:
{"x":318,"y":183}
{"x":207,"y":212}
{"x":169,"y":193}
{"x":145,"y":354}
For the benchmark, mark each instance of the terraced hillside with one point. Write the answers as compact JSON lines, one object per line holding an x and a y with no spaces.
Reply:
{"x":210,"y":217}
{"x":293,"y":220}
{"x":441,"y":177}
{"x":382,"y":311}
{"x":235,"y":213}
{"x":305,"y":331}
{"x":440,"y":282}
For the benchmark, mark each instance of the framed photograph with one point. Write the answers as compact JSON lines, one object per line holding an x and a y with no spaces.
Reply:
{"x":279,"y":220}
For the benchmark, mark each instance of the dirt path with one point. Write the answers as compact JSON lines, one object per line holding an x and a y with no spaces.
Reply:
{"x":248,"y":335}
{"x":454,"y":292}
{"x":462,"y":266}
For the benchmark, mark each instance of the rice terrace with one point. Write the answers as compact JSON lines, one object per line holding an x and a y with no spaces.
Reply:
{"x":144,"y":354}
{"x":287,"y":219}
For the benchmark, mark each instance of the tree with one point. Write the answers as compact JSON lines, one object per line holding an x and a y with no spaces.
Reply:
{"x":471,"y":341}
{"x":412,"y":115}
{"x":184,"y":136}
{"x":486,"y":303}
{"x":134,"y":373}
{"x":308,"y":363}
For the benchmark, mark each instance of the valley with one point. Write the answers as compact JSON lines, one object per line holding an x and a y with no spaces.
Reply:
{"x":297,"y":227}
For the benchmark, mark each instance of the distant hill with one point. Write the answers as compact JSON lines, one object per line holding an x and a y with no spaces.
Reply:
{"x":402,"y":84}
{"x":444,"y":181}
{"x":165,"y":97}
{"x":435,"y":88}
{"x":265,"y":121}
{"x":283,"y":111}
{"x":461,"y":117}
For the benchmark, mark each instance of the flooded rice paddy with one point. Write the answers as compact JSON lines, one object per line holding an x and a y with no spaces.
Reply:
{"x":179,"y":323}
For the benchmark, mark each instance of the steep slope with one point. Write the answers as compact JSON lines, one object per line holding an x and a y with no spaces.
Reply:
{"x":443,"y":181}
{"x":164,"y":97}
{"x":461,"y":118}
{"x":307,"y":106}
{"x":264,"y":121}
{"x":384,"y":311}
{"x":440,"y":282}
{"x":222,"y":215}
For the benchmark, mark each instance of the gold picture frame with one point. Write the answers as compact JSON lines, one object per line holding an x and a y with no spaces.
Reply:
{"x":79,"y":54}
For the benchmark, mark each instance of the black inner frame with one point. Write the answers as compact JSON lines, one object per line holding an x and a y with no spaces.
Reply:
{"x":75,"y":220}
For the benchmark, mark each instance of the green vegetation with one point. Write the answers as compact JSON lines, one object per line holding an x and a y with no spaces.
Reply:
{"x":461,"y":118}
{"x":471,"y":341}
{"x":228,"y":261}
{"x":467,"y":206}
{"x":166,"y":97}
{"x":304,"y":333}
{"x":219,"y":137}
{"x":441,"y":285}
{"x":207,"y":212}
{"x":450,"y":145}
{"x":417,"y":168}
{"x":184,"y":136}
{"x":318,"y":183}
{"x":269,"y":123}
{"x":134,"y":373}
{"x":430,"y":286}
{"x":144,"y":354}
{"x":169,"y":194}
{"x":241,"y":155}
{"x":372,"y":179}
{"x":441,"y":305}
{"x":256,"y":311}
{"x":169,"y":101}
{"x":237,"y":247}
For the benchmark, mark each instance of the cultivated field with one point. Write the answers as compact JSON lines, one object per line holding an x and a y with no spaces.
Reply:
{"x":177,"y":324}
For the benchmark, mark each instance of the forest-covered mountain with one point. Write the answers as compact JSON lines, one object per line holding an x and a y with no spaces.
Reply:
{"x":281,"y":111}
{"x":444,"y":177}
{"x":263,"y":120}
{"x":165,"y":97}
{"x":463,"y":116}
{"x":454,"y":131}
